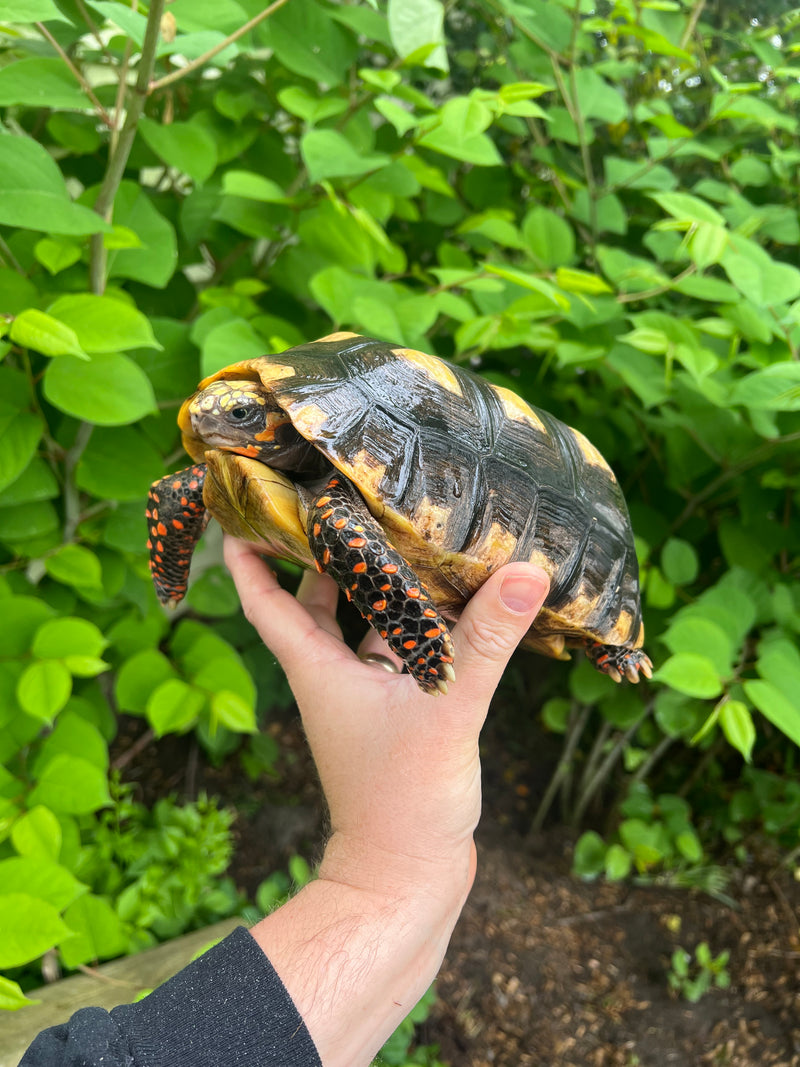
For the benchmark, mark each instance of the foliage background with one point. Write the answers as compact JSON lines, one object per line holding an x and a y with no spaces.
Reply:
{"x":593,"y":204}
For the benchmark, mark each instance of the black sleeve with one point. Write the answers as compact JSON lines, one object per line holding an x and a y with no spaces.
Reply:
{"x":226,"y":1009}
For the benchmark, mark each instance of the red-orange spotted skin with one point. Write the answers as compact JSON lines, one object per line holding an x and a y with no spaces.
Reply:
{"x":349,"y":545}
{"x":176,"y":518}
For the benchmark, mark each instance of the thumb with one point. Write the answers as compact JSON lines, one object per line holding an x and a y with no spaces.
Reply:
{"x":494,"y":622}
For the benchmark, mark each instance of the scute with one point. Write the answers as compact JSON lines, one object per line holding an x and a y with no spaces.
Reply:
{"x":464,"y":477}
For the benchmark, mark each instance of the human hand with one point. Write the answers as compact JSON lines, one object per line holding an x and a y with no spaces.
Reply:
{"x":399,"y":768}
{"x":401,"y":773}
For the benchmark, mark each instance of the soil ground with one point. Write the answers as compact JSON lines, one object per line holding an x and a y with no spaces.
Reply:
{"x":543,"y":970}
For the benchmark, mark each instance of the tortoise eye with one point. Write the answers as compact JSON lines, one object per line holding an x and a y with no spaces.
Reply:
{"x":239,"y":414}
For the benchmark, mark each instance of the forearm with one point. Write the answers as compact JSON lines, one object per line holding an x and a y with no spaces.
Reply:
{"x":357,"y":957}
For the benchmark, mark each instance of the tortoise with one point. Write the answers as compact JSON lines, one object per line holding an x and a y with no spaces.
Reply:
{"x":409,"y":480}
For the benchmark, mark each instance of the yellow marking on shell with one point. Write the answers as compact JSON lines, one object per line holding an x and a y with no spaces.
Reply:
{"x":342,"y":335}
{"x":430,"y":521}
{"x":368,"y":473}
{"x":273,"y":371}
{"x":592,"y":455}
{"x":433,"y":368}
{"x":496,"y":548}
{"x":517,"y":410}
{"x":309,"y":420}
{"x":579,"y":611}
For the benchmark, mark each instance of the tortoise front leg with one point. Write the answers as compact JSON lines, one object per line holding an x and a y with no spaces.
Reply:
{"x":348,"y":544}
{"x":176,"y":517}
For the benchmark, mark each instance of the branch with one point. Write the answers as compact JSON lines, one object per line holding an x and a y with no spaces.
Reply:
{"x":101,"y":111}
{"x":176,"y":75}
{"x":118,"y":158}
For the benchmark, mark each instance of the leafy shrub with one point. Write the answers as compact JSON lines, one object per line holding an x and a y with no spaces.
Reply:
{"x":597,"y":208}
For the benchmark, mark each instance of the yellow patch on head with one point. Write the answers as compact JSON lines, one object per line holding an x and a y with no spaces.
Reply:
{"x":592,"y":455}
{"x":433,"y":368}
{"x":517,"y":410}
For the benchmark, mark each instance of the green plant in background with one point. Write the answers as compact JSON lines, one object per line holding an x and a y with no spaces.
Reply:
{"x":594,"y":207}
{"x":693,"y":978}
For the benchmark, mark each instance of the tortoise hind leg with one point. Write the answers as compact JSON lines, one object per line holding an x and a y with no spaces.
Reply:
{"x":617,"y":660}
{"x":348,"y":544}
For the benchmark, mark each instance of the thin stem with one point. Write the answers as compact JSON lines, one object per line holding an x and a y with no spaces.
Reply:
{"x":87,"y":18}
{"x":691,"y":25}
{"x":574,"y":733}
{"x":12,"y":259}
{"x":603,"y":771}
{"x":72,"y":513}
{"x":101,"y":111}
{"x":647,"y":765}
{"x":118,"y":159}
{"x":176,"y":75}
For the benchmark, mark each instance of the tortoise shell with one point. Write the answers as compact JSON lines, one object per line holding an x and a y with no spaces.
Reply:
{"x":462,"y":475}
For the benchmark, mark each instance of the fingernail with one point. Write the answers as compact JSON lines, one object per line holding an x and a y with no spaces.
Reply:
{"x":521,"y":593}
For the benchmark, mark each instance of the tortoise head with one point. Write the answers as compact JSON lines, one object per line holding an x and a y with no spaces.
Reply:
{"x":244,"y":417}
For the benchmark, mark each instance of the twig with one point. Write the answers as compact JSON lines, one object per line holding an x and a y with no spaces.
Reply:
{"x":101,"y":111}
{"x":604,"y":769}
{"x":138,"y":746}
{"x":72,"y":511}
{"x":574,"y":732}
{"x":118,"y":159}
{"x":87,"y":18}
{"x":12,"y":259}
{"x":168,"y":79}
{"x":691,"y":25}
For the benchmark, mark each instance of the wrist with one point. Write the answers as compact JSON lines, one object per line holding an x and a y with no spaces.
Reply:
{"x":358,"y":947}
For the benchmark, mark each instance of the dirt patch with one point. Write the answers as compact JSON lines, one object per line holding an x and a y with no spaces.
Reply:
{"x":543,"y":970}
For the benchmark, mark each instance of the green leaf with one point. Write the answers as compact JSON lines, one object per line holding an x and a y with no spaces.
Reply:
{"x":20,"y":618}
{"x":40,"y":82}
{"x":687,"y":208}
{"x":33,"y":194}
{"x":416,"y":23}
{"x":30,"y":11}
{"x":37,"y":833}
{"x":118,"y":464}
{"x":68,"y":636}
{"x":173,"y":707}
{"x":589,"y":857}
{"x":528,"y":281}
{"x":238,"y":336}
{"x":780,"y":711}
{"x":231,"y":711}
{"x":44,"y":688}
{"x":139,"y":676}
{"x":57,"y":253}
{"x":41,"y":878}
{"x":308,"y":41}
{"x":111,"y":390}
{"x":774,"y":388}
{"x":252,"y":186}
{"x":617,"y":864}
{"x":18,"y":441}
{"x":11,"y":996}
{"x":737,"y":725}
{"x":457,"y":133}
{"x":327,"y":154}
{"x":695,"y":634}
{"x":398,"y":116}
{"x":183,"y":145}
{"x":28,"y":928}
{"x":690,"y":673}
{"x":154,"y":263}
{"x":97,"y":929}
{"x":103,"y":324}
{"x":679,"y":562}
{"x":75,"y":565}
{"x":71,"y":785}
{"x":43,"y":333}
